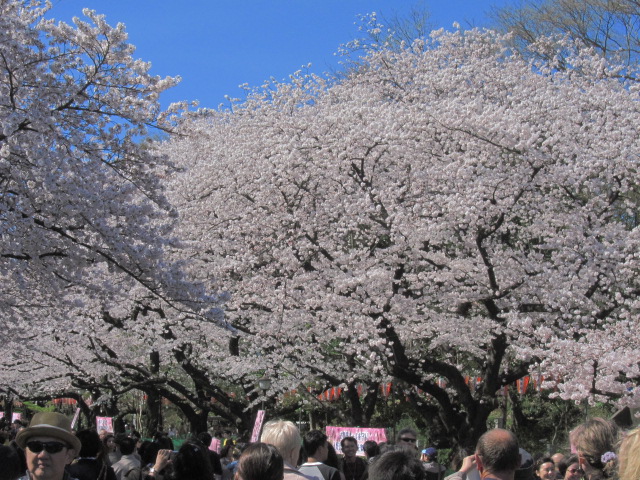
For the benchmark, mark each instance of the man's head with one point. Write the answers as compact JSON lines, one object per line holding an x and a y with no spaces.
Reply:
{"x":497,"y":452}
{"x":315,"y":444}
{"x":285,"y":436}
{"x":407,"y":437}
{"x":349,"y":447}
{"x":371,"y":449}
{"x":397,"y":465}
{"x":557,"y":458}
{"x":49,"y":445}
{"x":127,"y":444}
{"x":91,"y":443}
{"x":430,"y":454}
{"x":205,"y":438}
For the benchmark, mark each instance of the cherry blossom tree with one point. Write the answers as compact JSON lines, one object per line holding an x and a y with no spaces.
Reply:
{"x":611,"y":28}
{"x":92,"y":287}
{"x":80,"y":201}
{"x":445,"y":210}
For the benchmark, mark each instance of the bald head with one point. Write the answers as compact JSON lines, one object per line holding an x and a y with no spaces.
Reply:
{"x":498,"y":451}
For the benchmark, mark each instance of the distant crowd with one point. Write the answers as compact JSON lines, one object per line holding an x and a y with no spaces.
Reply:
{"x":48,"y":449}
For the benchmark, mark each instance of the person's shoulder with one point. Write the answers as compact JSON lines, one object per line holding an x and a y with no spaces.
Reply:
{"x":456,"y":476}
{"x":331,"y":472}
{"x":297,"y":475}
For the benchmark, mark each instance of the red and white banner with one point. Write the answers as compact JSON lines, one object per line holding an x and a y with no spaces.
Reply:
{"x":257,"y":427}
{"x":336,"y":434}
{"x":75,"y":418}
{"x":104,"y":423}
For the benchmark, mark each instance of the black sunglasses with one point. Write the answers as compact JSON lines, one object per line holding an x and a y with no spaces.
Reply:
{"x":406,"y":439}
{"x":51,"y":447}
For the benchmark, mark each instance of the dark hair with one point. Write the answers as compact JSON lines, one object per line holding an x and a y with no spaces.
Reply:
{"x":404,"y":431}
{"x":192,"y":463}
{"x":313,"y":440}
{"x":457,"y":457}
{"x":238,"y":449}
{"x":205,"y":438}
{"x":148,"y":452}
{"x":164,"y":441}
{"x":91,"y":443}
{"x":566,"y":462}
{"x":225,"y":450}
{"x":10,"y":461}
{"x":127,"y":444}
{"x":106,"y":438}
{"x":388,"y":447}
{"x":499,"y":450}
{"x":348,"y":439}
{"x":401,"y":464}
{"x":332,"y":458}
{"x":261,"y":461}
{"x":371,"y":448}
{"x":541,"y":461}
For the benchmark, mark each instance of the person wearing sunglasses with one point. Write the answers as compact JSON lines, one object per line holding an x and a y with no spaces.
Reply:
{"x":407,"y":438}
{"x":49,"y":445}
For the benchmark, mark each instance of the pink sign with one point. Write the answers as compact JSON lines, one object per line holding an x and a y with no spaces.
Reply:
{"x":215,"y":445}
{"x":336,"y":434}
{"x":105,"y":423}
{"x":16,"y":416}
{"x":257,"y":427}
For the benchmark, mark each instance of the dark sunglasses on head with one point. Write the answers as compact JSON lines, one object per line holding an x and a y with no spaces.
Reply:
{"x":51,"y":447}
{"x":405,"y":439}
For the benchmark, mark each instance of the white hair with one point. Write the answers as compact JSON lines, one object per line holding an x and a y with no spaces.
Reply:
{"x":285,"y":436}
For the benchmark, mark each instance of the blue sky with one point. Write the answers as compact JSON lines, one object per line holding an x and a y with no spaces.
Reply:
{"x":216,"y":45}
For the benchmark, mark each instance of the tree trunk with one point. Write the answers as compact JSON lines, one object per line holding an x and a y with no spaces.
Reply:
{"x":153,"y":417}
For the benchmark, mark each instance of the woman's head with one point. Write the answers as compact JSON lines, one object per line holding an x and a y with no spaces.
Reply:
{"x":192,"y":463}
{"x":595,"y":444}
{"x":569,"y":468}
{"x":227,"y":451}
{"x":109,"y":441}
{"x":402,"y":464}
{"x":260,"y":461}
{"x":545,"y":469}
{"x":629,"y":456}
{"x":10,"y":462}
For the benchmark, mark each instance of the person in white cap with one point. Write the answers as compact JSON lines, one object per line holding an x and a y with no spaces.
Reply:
{"x":49,"y":445}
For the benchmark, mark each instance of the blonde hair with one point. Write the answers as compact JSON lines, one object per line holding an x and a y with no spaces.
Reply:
{"x":285,"y":436}
{"x":597,"y":437}
{"x":629,"y":456}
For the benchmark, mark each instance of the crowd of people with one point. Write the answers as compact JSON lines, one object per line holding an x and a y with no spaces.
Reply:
{"x":48,"y":449}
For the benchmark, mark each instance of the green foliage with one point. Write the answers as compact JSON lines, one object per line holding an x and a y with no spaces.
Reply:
{"x":34,"y":407}
{"x":541,"y":423}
